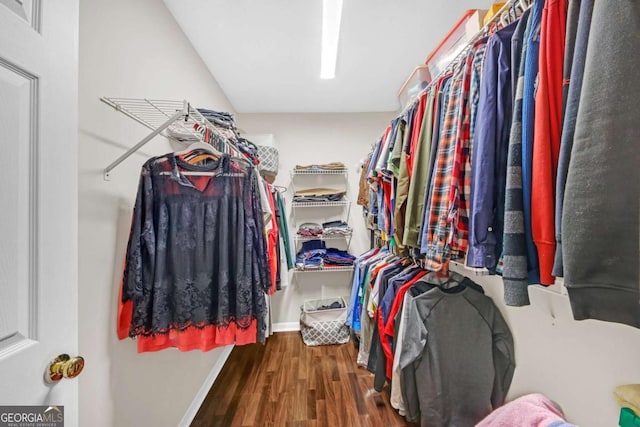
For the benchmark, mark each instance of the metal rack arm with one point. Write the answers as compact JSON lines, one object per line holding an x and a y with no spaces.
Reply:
{"x":146,"y":139}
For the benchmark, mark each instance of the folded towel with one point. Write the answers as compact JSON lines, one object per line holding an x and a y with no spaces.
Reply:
{"x":318,"y":192}
{"x":534,"y":410}
{"x":335,"y":224}
{"x":326,"y":166}
{"x":309,"y":229}
{"x":316,"y":199}
{"x":336,"y":232}
{"x":628,"y":396}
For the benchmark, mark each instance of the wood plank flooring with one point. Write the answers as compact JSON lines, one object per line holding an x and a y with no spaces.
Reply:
{"x":285,"y":383}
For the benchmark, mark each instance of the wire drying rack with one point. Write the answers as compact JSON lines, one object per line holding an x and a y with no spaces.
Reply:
{"x":158,"y":115}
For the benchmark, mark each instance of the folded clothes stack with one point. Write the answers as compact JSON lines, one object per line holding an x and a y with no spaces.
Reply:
{"x":529,"y":410}
{"x":336,"y":257}
{"x":311,"y":255}
{"x":218,"y":118}
{"x":249,"y":150}
{"x":222,"y":121}
{"x":310,"y":229}
{"x":336,"y":228}
{"x":318,"y":195}
{"x":321,"y":167}
{"x":333,"y":306}
{"x":315,"y":255}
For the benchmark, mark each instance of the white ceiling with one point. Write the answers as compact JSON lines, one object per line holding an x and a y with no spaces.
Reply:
{"x":266,"y":54}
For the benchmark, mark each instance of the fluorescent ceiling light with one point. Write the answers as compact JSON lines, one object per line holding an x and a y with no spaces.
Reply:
{"x":331,"y":16}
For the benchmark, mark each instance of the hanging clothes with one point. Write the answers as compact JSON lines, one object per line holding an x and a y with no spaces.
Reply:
{"x":438,"y":227}
{"x":439,"y":86}
{"x":487,"y":152}
{"x":196,"y":269}
{"x":353,"y":309}
{"x":363,"y":188}
{"x":600,"y":221}
{"x":283,"y":227}
{"x":469,"y":348}
{"x":528,"y":125}
{"x":514,"y":256}
{"x":417,"y":184}
{"x":569,"y":122}
{"x":402,"y":179}
{"x":372,"y":267}
{"x":468,"y":339}
{"x":271,"y":230}
{"x":385,"y":324}
{"x":396,"y":327}
{"x":490,"y":148}
{"x":460,"y":193}
{"x":546,"y":139}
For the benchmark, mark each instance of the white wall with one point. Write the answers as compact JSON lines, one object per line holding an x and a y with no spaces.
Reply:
{"x":127,"y":49}
{"x":575,"y":363}
{"x":304,"y":139}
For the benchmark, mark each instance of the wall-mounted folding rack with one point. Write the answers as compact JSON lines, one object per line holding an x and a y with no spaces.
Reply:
{"x":158,"y":115}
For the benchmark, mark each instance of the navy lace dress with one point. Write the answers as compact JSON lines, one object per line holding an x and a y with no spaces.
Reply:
{"x":196,"y":269}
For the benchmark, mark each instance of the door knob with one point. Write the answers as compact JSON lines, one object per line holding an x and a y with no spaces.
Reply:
{"x":64,"y":366}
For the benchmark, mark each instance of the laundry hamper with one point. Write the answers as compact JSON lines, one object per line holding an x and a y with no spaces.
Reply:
{"x":268,"y":160}
{"x":320,"y":324}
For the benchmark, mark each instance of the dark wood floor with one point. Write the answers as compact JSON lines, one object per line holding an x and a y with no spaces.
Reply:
{"x":285,"y":383}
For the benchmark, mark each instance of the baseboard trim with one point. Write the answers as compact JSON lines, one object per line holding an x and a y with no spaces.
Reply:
{"x":286,"y":326}
{"x":206,"y":386}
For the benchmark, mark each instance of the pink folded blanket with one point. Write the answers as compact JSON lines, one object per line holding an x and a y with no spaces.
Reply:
{"x":534,"y":410}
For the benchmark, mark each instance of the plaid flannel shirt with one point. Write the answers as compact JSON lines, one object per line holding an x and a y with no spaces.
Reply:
{"x":439,"y":224}
{"x":459,"y":195}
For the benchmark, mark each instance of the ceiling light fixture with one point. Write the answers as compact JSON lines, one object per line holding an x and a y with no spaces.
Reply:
{"x":331,"y":16}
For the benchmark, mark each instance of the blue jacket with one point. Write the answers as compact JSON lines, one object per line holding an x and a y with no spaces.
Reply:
{"x":528,"y":110}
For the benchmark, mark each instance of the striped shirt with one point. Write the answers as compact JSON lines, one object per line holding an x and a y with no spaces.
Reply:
{"x":514,"y":256}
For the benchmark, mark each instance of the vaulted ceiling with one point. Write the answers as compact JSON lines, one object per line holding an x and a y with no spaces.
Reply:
{"x":265,"y":54}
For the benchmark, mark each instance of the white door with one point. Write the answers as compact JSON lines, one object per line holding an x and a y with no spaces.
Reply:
{"x":38,"y":199}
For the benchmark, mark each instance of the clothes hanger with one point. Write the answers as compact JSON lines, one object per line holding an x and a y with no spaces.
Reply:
{"x":513,"y":11}
{"x":199,"y":145}
{"x":197,"y":152}
{"x":197,"y":155}
{"x":504,"y":19}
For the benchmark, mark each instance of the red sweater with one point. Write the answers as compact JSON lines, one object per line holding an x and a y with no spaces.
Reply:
{"x":547,"y":133}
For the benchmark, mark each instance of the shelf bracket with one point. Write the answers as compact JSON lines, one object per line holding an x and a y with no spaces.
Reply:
{"x":146,"y":139}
